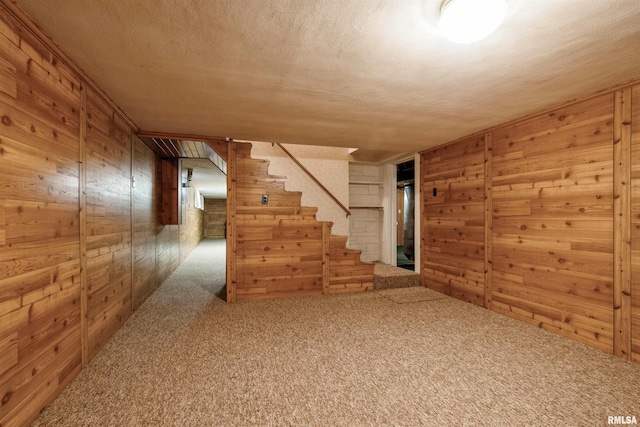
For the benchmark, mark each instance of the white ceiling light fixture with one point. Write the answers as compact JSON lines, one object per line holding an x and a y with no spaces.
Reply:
{"x":468,"y":21}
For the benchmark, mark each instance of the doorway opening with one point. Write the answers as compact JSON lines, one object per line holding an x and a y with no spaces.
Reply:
{"x":405,"y":202}
{"x":204,"y":205}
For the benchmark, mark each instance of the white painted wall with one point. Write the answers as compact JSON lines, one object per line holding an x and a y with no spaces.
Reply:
{"x":330,"y":165}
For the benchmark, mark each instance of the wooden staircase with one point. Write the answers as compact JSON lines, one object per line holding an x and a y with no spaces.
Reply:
{"x":280,"y":249}
{"x":346,"y":272}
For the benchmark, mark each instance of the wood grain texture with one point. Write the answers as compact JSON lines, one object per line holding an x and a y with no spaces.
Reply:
{"x":171,"y":192}
{"x":453,"y":221}
{"x":552,"y":189}
{"x":109,"y":236}
{"x":40,"y":276}
{"x":488,"y":220}
{"x":622,"y":223}
{"x":192,"y":228}
{"x":167,"y":237}
{"x":232,"y":236}
{"x":280,"y":247}
{"x":548,"y":239}
{"x":215,"y":218}
{"x":635,"y":225}
{"x":145,"y":207}
{"x":66,"y":225}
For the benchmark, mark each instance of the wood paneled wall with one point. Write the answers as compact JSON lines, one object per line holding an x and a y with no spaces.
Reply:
{"x":215,"y":217}
{"x":453,"y":219}
{"x":78,"y":245}
{"x":108,"y":222}
{"x":552,"y":242}
{"x":279,"y":244}
{"x":531,"y":220}
{"x":192,"y":229}
{"x":635,"y":224}
{"x":145,"y":214}
{"x":279,"y":249}
{"x":40,"y":331}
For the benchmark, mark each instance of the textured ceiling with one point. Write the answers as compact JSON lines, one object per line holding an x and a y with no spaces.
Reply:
{"x":370,"y":74}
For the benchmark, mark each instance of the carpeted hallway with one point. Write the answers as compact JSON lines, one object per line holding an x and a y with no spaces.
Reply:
{"x":399,"y":357}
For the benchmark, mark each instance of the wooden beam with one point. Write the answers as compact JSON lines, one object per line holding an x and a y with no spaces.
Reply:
{"x":232,"y":236}
{"x":622,"y":223}
{"x":488,"y":220}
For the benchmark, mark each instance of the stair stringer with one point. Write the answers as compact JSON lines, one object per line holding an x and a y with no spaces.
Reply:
{"x":281,"y":249}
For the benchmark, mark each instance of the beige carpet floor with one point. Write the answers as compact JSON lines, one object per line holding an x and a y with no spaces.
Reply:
{"x":186,"y":358}
{"x":411,"y":295}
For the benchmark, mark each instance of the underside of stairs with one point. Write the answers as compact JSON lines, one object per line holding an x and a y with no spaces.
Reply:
{"x":280,"y":249}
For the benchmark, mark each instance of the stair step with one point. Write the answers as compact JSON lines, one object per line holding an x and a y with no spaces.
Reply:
{"x":390,"y":277}
{"x":275,"y":235}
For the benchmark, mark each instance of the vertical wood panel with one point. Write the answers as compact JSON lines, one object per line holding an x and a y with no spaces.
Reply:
{"x":622,"y":224}
{"x":552,"y":189}
{"x":453,"y":220}
{"x":65,"y":224}
{"x":108,"y":222}
{"x":215,"y":218}
{"x":171,"y":191}
{"x":145,"y":206}
{"x":635,"y":224}
{"x":326,"y":256}
{"x":167,"y":236}
{"x":40,"y":273}
{"x":232,"y":155}
{"x":192,"y":227}
{"x":488,"y":220}
{"x":83,"y":228}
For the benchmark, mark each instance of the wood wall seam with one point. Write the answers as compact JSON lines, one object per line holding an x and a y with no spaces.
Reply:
{"x":488,"y":220}
{"x":622,"y":223}
{"x":551,"y":245}
{"x":232,"y":154}
{"x":132,"y":219}
{"x":326,"y":256}
{"x":83,"y":226}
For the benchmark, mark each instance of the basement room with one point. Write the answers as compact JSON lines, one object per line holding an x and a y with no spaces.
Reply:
{"x":319,"y":213}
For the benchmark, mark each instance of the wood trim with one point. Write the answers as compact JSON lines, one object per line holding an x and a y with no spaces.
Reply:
{"x":423,"y":226}
{"x":326,"y":256}
{"x":488,"y":220}
{"x":82,"y":208}
{"x":325,"y":189}
{"x":622,"y":224}
{"x":232,"y":244}
{"x":25,"y":20}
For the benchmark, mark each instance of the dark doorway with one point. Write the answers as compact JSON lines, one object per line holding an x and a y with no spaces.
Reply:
{"x":406,"y":215}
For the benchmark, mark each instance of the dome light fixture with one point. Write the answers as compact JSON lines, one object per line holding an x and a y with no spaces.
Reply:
{"x":468,"y":21}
